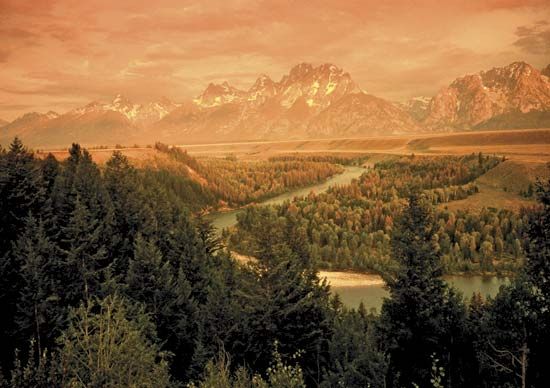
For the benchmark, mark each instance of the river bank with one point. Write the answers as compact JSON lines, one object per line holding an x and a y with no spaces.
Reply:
{"x":225,"y":219}
{"x":371,"y":290}
{"x":351,"y":279}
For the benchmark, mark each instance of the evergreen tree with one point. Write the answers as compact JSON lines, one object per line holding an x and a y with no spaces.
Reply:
{"x":50,"y":170}
{"x":516,"y":346}
{"x":416,"y":321}
{"x":21,"y":190}
{"x":40,"y":314}
{"x":131,"y":213}
{"x":84,"y":255}
{"x":63,"y":194}
{"x":355,"y":360}
{"x":150,"y":280}
{"x":21,"y":193}
{"x":285,"y":302}
{"x":538,"y":249}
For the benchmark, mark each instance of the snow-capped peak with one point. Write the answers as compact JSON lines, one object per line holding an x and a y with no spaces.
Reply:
{"x":219,"y":94}
{"x":136,"y":113}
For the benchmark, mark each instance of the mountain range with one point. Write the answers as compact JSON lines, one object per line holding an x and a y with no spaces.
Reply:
{"x":308,"y":102}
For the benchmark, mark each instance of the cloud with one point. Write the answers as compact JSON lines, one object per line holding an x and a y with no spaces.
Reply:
{"x":69,"y":51}
{"x":535,"y":38}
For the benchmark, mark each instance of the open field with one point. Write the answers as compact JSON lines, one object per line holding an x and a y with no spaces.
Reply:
{"x":526,"y":145}
{"x":490,"y":197}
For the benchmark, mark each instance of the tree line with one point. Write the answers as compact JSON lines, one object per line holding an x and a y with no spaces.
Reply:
{"x":345,"y":159}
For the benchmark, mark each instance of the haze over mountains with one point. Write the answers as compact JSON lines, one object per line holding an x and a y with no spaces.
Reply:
{"x":308,"y":102}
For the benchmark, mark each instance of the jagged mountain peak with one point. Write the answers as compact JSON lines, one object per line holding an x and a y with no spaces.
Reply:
{"x":32,"y":116}
{"x":219,"y":94}
{"x":471,"y":100}
{"x":262,"y":81}
{"x":141,"y":114}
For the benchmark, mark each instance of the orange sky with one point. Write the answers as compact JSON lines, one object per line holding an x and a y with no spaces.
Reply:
{"x":62,"y":54}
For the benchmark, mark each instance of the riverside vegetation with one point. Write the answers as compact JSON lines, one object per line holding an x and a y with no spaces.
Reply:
{"x":350,"y":226}
{"x":108,"y":279}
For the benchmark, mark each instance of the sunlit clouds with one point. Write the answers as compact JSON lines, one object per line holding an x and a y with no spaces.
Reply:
{"x":57,"y":55}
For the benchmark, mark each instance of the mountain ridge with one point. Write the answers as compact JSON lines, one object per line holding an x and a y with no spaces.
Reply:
{"x":307,"y":102}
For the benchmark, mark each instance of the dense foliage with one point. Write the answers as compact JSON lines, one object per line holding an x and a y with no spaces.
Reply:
{"x":350,"y":226}
{"x":109,"y":281}
{"x":231,"y":182}
{"x":345,"y":159}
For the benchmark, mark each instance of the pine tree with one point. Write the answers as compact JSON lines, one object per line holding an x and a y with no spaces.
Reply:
{"x":39,"y":312}
{"x":131,"y":213}
{"x":414,"y":321}
{"x":50,"y":170}
{"x":150,"y":281}
{"x":21,"y":190}
{"x":285,"y":301}
{"x":84,"y":255}
{"x":21,"y":193}
{"x":63,"y":195}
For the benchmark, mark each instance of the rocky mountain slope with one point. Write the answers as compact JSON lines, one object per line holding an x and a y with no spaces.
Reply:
{"x":471,"y":101}
{"x":309,"y":101}
{"x":119,"y":121}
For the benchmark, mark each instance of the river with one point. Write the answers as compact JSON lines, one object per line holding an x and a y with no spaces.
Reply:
{"x":372,"y":295}
{"x":224,"y":220}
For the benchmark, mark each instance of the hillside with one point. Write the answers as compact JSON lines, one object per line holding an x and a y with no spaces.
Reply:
{"x":506,"y":186}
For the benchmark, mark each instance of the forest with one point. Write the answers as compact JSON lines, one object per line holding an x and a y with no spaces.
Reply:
{"x":350,"y":226}
{"x":229,"y":182}
{"x":109,"y":279}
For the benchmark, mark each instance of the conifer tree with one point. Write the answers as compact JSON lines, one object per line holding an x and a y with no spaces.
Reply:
{"x":415,"y":319}
{"x":40,"y":314}
{"x":84,"y":255}
{"x":131,"y":213}
{"x":50,"y":170}
{"x":167,"y":297}
{"x":287,"y":302}
{"x":21,"y":193}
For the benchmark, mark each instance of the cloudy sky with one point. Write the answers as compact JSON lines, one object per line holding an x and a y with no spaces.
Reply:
{"x":57,"y":55}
